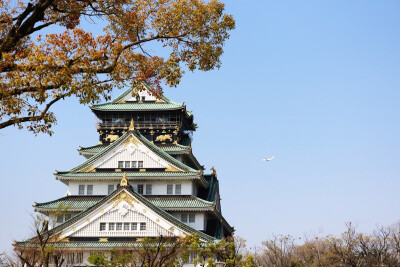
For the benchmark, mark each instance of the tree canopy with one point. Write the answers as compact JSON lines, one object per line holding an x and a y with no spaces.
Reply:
{"x":39,"y":68}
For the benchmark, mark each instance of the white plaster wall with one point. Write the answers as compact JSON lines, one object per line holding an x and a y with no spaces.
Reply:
{"x":131,"y":153}
{"x":200,"y":220}
{"x":99,"y":187}
{"x":158,"y":187}
{"x":115,"y":216}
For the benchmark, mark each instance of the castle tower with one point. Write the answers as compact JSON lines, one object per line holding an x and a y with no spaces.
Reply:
{"x":141,"y":180}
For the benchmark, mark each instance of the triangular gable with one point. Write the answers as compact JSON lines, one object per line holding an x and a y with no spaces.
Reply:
{"x":125,"y":206}
{"x":144,"y":95}
{"x":132,"y":146}
{"x":142,"y":90}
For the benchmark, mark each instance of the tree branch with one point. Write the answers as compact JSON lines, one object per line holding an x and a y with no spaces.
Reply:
{"x":31,"y":118}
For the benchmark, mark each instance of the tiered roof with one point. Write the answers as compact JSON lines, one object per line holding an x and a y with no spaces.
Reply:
{"x":120,"y":103}
{"x":170,"y":203}
{"x":114,"y":196}
{"x":172,"y":149}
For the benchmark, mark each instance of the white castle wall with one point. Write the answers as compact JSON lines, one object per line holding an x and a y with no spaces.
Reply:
{"x":130,"y":153}
{"x":158,"y":187}
{"x":200,"y":219}
{"x":116,"y":215}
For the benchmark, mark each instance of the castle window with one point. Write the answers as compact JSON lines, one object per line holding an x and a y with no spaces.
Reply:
{"x":79,"y":257}
{"x":140,"y":189}
{"x":193,"y":255}
{"x":148,"y":189}
{"x":81,"y":189}
{"x":140,"y":164}
{"x":111,"y":226}
{"x":143,"y":98}
{"x":126,"y":226}
{"x":102,"y":226}
{"x":70,"y":258}
{"x":178,"y":189}
{"x":134,"y":226}
{"x":143,"y":226}
{"x":120,"y":164}
{"x":134,"y":164}
{"x":110,"y":188}
{"x":89,"y":190}
{"x":60,"y":218}
{"x":170,"y":189}
{"x":119,"y":226}
{"x":127,"y":164}
{"x":192,"y":218}
{"x":184,"y":217}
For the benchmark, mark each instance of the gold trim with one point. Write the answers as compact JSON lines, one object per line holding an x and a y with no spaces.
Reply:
{"x":214,"y":171}
{"x":123,"y":197}
{"x":103,"y":239}
{"x":164,"y":137}
{"x":124,"y":181}
{"x":132,"y":125}
{"x":89,"y":168}
{"x":142,"y":170}
{"x":131,"y":140}
{"x":171,"y":168}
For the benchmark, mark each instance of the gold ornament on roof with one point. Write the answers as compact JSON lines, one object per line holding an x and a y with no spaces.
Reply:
{"x":123,"y":197}
{"x":132,"y":126}
{"x":111,"y":137}
{"x":165,"y":137}
{"x":124,"y":181}
{"x":214,"y":172}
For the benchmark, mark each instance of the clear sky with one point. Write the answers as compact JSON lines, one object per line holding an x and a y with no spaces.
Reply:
{"x":314,"y":83}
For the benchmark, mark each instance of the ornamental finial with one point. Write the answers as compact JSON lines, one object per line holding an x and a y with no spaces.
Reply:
{"x":132,"y":125}
{"x":214,"y":171}
{"x":124,"y":181}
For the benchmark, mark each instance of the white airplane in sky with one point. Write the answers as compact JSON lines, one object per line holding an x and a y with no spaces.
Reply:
{"x":268,"y":159}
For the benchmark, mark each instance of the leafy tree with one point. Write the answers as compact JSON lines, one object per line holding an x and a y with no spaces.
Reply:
{"x":39,"y":70}
{"x":172,"y":251}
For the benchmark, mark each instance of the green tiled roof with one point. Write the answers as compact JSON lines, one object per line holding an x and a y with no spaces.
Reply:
{"x":80,"y":203}
{"x":145,"y":106}
{"x":137,"y":106}
{"x":146,"y":142}
{"x":175,"y":149}
{"x":131,"y":175}
{"x":91,"y":149}
{"x":170,"y":149}
{"x":72,"y":202}
{"x":87,"y":244}
{"x":180,"y":202}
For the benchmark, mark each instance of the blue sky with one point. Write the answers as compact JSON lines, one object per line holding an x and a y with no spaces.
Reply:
{"x":314,"y":83}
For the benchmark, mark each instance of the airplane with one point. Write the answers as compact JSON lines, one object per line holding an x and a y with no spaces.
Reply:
{"x":268,"y":159}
